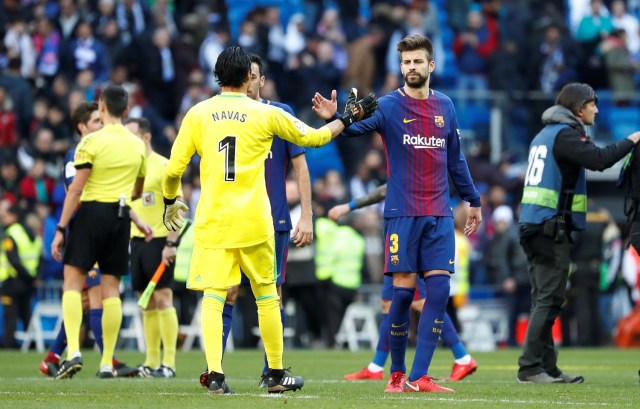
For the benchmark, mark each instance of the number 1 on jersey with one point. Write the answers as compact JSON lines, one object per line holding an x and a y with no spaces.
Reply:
{"x":228,"y":145}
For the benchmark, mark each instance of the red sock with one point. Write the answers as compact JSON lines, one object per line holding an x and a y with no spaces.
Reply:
{"x":114,"y":362}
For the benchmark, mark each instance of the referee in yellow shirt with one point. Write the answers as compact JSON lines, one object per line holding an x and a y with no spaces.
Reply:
{"x":110,"y":168}
{"x":159,"y":319}
{"x":233,"y":227}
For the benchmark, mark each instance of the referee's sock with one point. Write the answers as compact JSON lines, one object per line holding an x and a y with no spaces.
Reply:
{"x":211,"y":322}
{"x":72,"y":317}
{"x":111,"y":322}
{"x":168,"y":320}
{"x":151,"y":326}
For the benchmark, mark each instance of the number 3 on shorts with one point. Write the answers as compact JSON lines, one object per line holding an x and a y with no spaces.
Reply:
{"x":393,"y":239}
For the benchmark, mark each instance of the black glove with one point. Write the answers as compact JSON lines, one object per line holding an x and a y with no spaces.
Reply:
{"x":359,"y":110}
{"x":353,"y":97}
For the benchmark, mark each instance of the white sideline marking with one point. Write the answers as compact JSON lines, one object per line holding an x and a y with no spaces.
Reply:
{"x":384,"y":397}
{"x":298,"y":395}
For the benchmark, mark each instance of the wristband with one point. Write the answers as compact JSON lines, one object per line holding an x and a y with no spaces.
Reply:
{"x":169,"y":202}
{"x":170,"y":243}
{"x":353,"y":205}
{"x":61,"y":229}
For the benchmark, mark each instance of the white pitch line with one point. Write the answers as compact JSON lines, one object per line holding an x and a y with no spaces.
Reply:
{"x":401,"y":397}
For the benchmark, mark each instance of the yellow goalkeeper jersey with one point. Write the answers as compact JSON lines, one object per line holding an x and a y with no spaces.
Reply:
{"x":233,"y":134}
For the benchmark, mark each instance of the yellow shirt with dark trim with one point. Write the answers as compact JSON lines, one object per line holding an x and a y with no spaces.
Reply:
{"x":116,"y":157}
{"x":150,"y":208}
{"x":233,"y":134}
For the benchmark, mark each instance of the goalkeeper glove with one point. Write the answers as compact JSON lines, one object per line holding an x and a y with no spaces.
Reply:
{"x":172,"y":218}
{"x":359,"y":110}
{"x":353,"y":97}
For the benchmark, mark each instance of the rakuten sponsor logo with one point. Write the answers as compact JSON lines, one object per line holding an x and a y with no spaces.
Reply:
{"x":423,"y":142}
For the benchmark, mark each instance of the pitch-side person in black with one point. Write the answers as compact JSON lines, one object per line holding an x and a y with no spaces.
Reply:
{"x":554,"y":203}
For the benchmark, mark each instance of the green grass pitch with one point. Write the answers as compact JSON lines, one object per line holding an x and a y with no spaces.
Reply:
{"x":611,"y":382}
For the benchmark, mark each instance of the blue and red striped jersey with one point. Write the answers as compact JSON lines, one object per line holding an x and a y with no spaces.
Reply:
{"x":276,"y":167}
{"x":422,"y":146}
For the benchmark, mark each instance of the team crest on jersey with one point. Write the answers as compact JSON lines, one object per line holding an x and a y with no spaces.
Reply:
{"x":395,"y":259}
{"x":439,"y":120}
{"x":148,"y":199}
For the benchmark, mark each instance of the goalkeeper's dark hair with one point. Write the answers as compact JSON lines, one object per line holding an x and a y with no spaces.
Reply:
{"x":233,"y":67}
{"x":575,"y":95}
{"x":116,"y":100}
{"x":255,"y":59}
{"x":416,"y":42}
{"x":82,"y":114}
{"x":144,"y":126}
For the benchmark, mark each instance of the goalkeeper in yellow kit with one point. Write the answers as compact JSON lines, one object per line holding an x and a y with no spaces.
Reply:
{"x":233,"y":226}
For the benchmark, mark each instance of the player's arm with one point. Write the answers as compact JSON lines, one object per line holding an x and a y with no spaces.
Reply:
{"x":183,"y":149}
{"x":71,"y":202}
{"x":376,"y":196}
{"x":296,"y":131}
{"x":170,"y":248}
{"x":303,"y":232}
{"x":137,"y":188}
{"x":141,"y":225}
{"x":327,"y":110}
{"x":461,"y":178}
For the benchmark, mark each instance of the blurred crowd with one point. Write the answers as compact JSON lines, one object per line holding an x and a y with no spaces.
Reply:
{"x":56,"y":54}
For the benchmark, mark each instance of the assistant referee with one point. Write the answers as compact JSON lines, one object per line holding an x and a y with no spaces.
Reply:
{"x":111,"y":165}
{"x":159,"y":319}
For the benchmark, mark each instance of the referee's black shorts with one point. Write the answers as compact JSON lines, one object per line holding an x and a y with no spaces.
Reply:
{"x":97,"y":234}
{"x":145,"y":259}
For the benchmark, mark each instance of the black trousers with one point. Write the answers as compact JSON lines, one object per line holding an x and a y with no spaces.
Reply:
{"x":519,"y":303}
{"x":548,"y":266}
{"x":15,"y":306}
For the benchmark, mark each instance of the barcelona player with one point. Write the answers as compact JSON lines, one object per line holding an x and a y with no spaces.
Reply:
{"x":463,"y":365}
{"x":419,"y":131}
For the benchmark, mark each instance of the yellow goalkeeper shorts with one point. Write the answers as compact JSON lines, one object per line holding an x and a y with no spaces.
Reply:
{"x":220,"y":268}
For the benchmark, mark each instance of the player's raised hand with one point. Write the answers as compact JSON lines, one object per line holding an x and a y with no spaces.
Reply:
{"x":473,"y":221}
{"x":323,"y":107}
{"x":360,"y":110}
{"x":172,"y":218}
{"x":337,"y":211}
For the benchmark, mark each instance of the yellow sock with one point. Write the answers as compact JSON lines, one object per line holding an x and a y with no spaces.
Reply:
{"x":211,"y":318}
{"x":72,"y":316}
{"x":270,"y":322}
{"x":111,"y":321}
{"x":151,"y":324}
{"x":168,"y":320}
